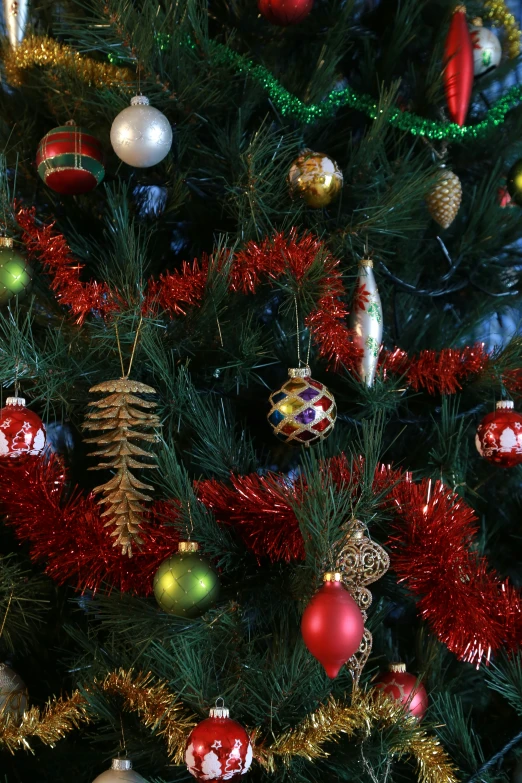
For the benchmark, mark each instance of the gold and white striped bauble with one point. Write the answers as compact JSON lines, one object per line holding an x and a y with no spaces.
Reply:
{"x":366,"y":321}
{"x":444,"y":198}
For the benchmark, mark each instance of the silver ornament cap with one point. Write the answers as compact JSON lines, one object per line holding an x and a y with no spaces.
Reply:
{"x":141,"y":135}
{"x":120,"y":772}
{"x":366,"y":321}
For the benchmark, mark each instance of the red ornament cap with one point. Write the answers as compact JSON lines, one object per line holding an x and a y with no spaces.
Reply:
{"x":218,"y":748}
{"x":404,"y":687}
{"x":22,"y":432}
{"x":499,"y":436}
{"x":332,"y":625}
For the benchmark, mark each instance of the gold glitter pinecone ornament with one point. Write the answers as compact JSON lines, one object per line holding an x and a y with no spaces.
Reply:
{"x":444,"y":198}
{"x":119,"y":421}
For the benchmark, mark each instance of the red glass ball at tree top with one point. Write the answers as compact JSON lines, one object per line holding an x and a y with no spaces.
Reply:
{"x":285,"y":12}
{"x":70,"y":160}
{"x":404,"y":687}
{"x":332,"y":625}
{"x":22,"y":431}
{"x":218,"y":748}
{"x":499,"y":436}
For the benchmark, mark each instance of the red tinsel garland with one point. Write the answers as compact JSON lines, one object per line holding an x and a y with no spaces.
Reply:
{"x":437,"y":372}
{"x":468,"y":607}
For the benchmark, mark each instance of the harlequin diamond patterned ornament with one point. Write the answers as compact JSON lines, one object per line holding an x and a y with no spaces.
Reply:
{"x":444,"y":198}
{"x":218,"y":748}
{"x":70,"y":160}
{"x":13,"y":693}
{"x":185,"y":584}
{"x":302,"y":411}
{"x":120,"y":772}
{"x":404,"y":687}
{"x":22,"y":431}
{"x":499,"y":436}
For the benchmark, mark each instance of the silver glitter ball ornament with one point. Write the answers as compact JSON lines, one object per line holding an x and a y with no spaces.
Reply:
{"x":141,"y":135}
{"x":120,"y":772}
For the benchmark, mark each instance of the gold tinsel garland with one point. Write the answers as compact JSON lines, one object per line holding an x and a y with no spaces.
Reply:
{"x":166,"y":717}
{"x":496,"y":11}
{"x":44,"y":51}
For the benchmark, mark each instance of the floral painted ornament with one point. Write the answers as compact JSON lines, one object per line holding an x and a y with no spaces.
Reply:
{"x":22,"y":431}
{"x":499,"y":436}
{"x":366,"y":321}
{"x":218,"y":748}
{"x":302,"y":411}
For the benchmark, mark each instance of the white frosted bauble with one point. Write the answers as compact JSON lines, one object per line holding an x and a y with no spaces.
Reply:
{"x":120,"y":772}
{"x":487,"y":50}
{"x":13,"y":693}
{"x":141,"y":135}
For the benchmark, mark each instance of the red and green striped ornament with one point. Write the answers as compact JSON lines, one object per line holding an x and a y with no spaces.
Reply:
{"x":70,"y":160}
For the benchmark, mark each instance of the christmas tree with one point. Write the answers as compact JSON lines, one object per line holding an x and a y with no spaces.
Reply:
{"x":259,"y":286}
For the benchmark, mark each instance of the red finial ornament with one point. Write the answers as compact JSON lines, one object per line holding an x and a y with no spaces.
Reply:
{"x":332,"y":625}
{"x":458,"y":66}
{"x":404,"y":687}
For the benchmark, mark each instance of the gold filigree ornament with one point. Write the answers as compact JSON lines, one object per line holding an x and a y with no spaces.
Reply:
{"x":361,"y":562}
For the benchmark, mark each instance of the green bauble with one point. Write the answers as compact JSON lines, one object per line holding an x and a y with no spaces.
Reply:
{"x":15,"y":272}
{"x":185,"y":584}
{"x":514,"y":182}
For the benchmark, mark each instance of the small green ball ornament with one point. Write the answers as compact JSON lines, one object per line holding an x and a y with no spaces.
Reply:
{"x":15,"y":272}
{"x":514,"y":182}
{"x":185,"y":584}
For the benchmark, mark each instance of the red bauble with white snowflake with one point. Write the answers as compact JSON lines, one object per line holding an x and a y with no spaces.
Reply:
{"x":218,"y":748}
{"x":22,"y":431}
{"x":499,"y":436}
{"x":404,"y":687}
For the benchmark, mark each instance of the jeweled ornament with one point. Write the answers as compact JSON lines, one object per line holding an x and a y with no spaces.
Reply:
{"x":15,"y":273}
{"x":218,"y":748}
{"x":315,"y":178}
{"x":514,"y":182}
{"x":302,"y":411}
{"x":366,"y":321}
{"x":404,"y":687}
{"x":13,"y":693}
{"x":458,"y":66}
{"x":332,"y":625}
{"x":444,"y":198}
{"x":120,"y":772}
{"x":186,"y":584}
{"x":141,"y":135}
{"x":487,"y":51}
{"x":499,"y":436}
{"x":70,"y":160}
{"x":22,"y":431}
{"x":285,"y":12}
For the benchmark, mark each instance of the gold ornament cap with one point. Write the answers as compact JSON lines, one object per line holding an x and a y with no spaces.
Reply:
{"x":477,"y":22}
{"x":505,"y":405}
{"x":299,"y":372}
{"x":188,"y":546}
{"x":139,"y":100}
{"x":397,"y":666}
{"x":121,"y":764}
{"x":6,"y":242}
{"x":332,"y":576}
{"x":460,"y":9}
{"x":366,"y":262}
{"x":220,"y":711}
{"x":16,"y":401}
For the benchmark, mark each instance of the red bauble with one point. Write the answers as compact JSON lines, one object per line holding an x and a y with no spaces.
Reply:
{"x":285,"y":12}
{"x":458,"y":66}
{"x":70,"y":160}
{"x":405,"y":688}
{"x":499,"y":436}
{"x":332,"y":625}
{"x":218,"y":748}
{"x":22,"y":432}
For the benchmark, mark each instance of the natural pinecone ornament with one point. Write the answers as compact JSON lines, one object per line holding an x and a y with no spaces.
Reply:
{"x":119,"y":421}
{"x":444,"y":198}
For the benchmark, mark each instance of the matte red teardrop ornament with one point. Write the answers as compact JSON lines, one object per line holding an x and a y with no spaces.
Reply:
{"x":458,"y":66}
{"x":332,"y":625}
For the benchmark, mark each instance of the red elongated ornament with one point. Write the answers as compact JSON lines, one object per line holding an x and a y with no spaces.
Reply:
{"x":332,"y":625}
{"x":458,"y":66}
{"x":22,"y":431}
{"x":499,"y":436}
{"x":404,"y":687}
{"x":218,"y":748}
